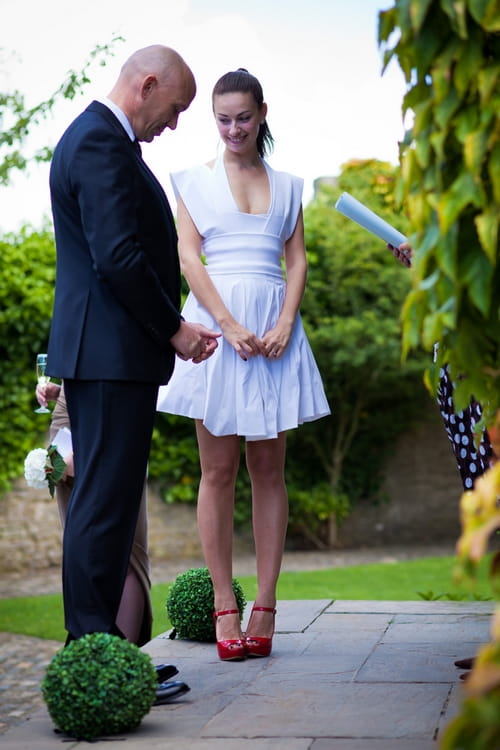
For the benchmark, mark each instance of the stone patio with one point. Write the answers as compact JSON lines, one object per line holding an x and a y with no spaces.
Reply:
{"x":343,"y":675}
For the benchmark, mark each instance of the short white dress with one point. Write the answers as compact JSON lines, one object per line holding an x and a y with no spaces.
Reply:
{"x":243,"y":252}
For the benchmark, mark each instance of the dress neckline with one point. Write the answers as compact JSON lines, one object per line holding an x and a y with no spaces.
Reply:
{"x":220,"y":166}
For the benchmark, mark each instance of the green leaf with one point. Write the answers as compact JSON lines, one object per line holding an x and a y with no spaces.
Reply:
{"x":438,"y":142}
{"x":446,"y":108}
{"x":467,"y":120}
{"x":428,"y":43}
{"x":432,"y":329}
{"x":446,"y":252}
{"x":409,"y":167}
{"x":427,"y":241}
{"x":423,"y":151}
{"x":486,"y":13}
{"x":487,"y":81}
{"x":412,"y":316}
{"x":494,"y":172}
{"x":468,"y":63}
{"x":463,"y":192}
{"x":418,"y":11}
{"x":419,"y":94}
{"x":430,"y":281}
{"x":386,"y":24}
{"x":386,"y":59}
{"x":57,"y":462}
{"x":476,"y":271}
{"x":422,"y":116}
{"x":475,"y":146}
{"x":487,"y":228}
{"x":456,"y":12}
{"x":403,"y":14}
{"x":419,"y":209}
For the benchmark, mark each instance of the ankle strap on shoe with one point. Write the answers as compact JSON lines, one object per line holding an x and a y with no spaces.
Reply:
{"x":264,"y":609}
{"x":226,"y":612}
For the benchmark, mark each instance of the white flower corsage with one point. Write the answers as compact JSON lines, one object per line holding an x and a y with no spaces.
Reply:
{"x":44,"y":468}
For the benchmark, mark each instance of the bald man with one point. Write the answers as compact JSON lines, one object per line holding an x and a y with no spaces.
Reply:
{"x":116,"y":325}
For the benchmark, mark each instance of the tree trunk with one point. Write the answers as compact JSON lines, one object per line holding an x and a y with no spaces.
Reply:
{"x":332,"y":531}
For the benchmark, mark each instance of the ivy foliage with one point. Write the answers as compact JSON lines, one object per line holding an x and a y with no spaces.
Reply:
{"x":449,"y":53}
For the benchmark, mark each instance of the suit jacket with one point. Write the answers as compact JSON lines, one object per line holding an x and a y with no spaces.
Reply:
{"x":117,"y":294}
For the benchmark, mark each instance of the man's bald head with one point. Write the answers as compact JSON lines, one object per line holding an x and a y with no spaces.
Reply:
{"x":154,"y":86}
{"x":162,"y":61}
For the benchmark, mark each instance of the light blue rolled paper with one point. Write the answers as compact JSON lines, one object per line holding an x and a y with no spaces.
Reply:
{"x":369,"y":220}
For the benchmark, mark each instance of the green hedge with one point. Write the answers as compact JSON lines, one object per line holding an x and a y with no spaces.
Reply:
{"x":26,"y":291}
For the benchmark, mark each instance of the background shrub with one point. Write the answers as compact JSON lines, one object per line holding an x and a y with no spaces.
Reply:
{"x":27,"y":276}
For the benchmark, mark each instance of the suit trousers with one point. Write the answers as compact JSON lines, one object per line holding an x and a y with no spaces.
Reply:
{"x":112,"y":423}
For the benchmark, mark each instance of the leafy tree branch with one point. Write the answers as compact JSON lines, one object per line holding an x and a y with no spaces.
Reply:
{"x":17,"y":120}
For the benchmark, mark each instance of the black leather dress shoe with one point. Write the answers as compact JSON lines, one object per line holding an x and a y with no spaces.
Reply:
{"x":165,"y":671}
{"x":465,"y":663}
{"x":167,"y":691}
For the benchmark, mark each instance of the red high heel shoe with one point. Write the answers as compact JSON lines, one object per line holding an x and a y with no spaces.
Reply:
{"x":230,"y":649}
{"x":257,"y":645}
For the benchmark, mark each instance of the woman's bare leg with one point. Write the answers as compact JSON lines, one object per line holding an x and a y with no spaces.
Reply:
{"x":219,"y":460}
{"x":266,"y":466}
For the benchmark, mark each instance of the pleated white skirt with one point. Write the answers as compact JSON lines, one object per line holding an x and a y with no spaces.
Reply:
{"x":258,"y":398}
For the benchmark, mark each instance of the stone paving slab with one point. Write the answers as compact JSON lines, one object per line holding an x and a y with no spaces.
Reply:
{"x":438,"y":628}
{"x":342,"y":676}
{"x":372,"y":744}
{"x":414,"y":662}
{"x":419,"y":607}
{"x":281,"y":706}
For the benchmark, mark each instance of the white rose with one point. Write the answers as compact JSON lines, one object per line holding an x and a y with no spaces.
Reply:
{"x":34,"y":468}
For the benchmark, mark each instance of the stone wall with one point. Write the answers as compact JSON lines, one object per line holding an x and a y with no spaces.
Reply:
{"x":422,"y":488}
{"x":30,"y":530}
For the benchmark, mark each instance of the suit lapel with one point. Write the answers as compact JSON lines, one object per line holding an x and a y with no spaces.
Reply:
{"x":116,"y":125}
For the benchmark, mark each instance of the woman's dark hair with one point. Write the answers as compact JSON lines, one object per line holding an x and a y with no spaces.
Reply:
{"x":244,"y":82}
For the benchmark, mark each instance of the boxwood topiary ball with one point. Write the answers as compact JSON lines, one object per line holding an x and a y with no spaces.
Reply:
{"x":190,"y":605}
{"x":99,"y":685}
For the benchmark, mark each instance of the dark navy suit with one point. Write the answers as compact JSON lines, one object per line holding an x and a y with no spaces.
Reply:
{"x":116,"y":307}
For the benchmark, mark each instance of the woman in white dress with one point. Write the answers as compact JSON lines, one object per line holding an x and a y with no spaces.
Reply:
{"x":237,"y":220}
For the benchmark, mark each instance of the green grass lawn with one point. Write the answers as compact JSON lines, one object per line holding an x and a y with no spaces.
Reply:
{"x":431,"y":577}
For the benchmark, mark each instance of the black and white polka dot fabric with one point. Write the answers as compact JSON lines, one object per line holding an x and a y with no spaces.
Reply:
{"x":472,"y":459}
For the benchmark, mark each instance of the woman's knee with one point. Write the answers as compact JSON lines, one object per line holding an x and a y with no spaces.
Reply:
{"x":219,"y":474}
{"x":266,"y":462}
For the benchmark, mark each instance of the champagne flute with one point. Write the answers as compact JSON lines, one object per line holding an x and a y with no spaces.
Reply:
{"x":41,"y":365}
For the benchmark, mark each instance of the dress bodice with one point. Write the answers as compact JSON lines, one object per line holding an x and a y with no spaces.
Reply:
{"x":235,"y":242}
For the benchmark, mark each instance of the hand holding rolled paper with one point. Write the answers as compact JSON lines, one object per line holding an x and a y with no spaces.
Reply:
{"x":368,"y":219}
{"x":403,"y":253}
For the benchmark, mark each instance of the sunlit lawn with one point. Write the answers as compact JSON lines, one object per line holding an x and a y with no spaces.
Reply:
{"x":428,"y":578}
